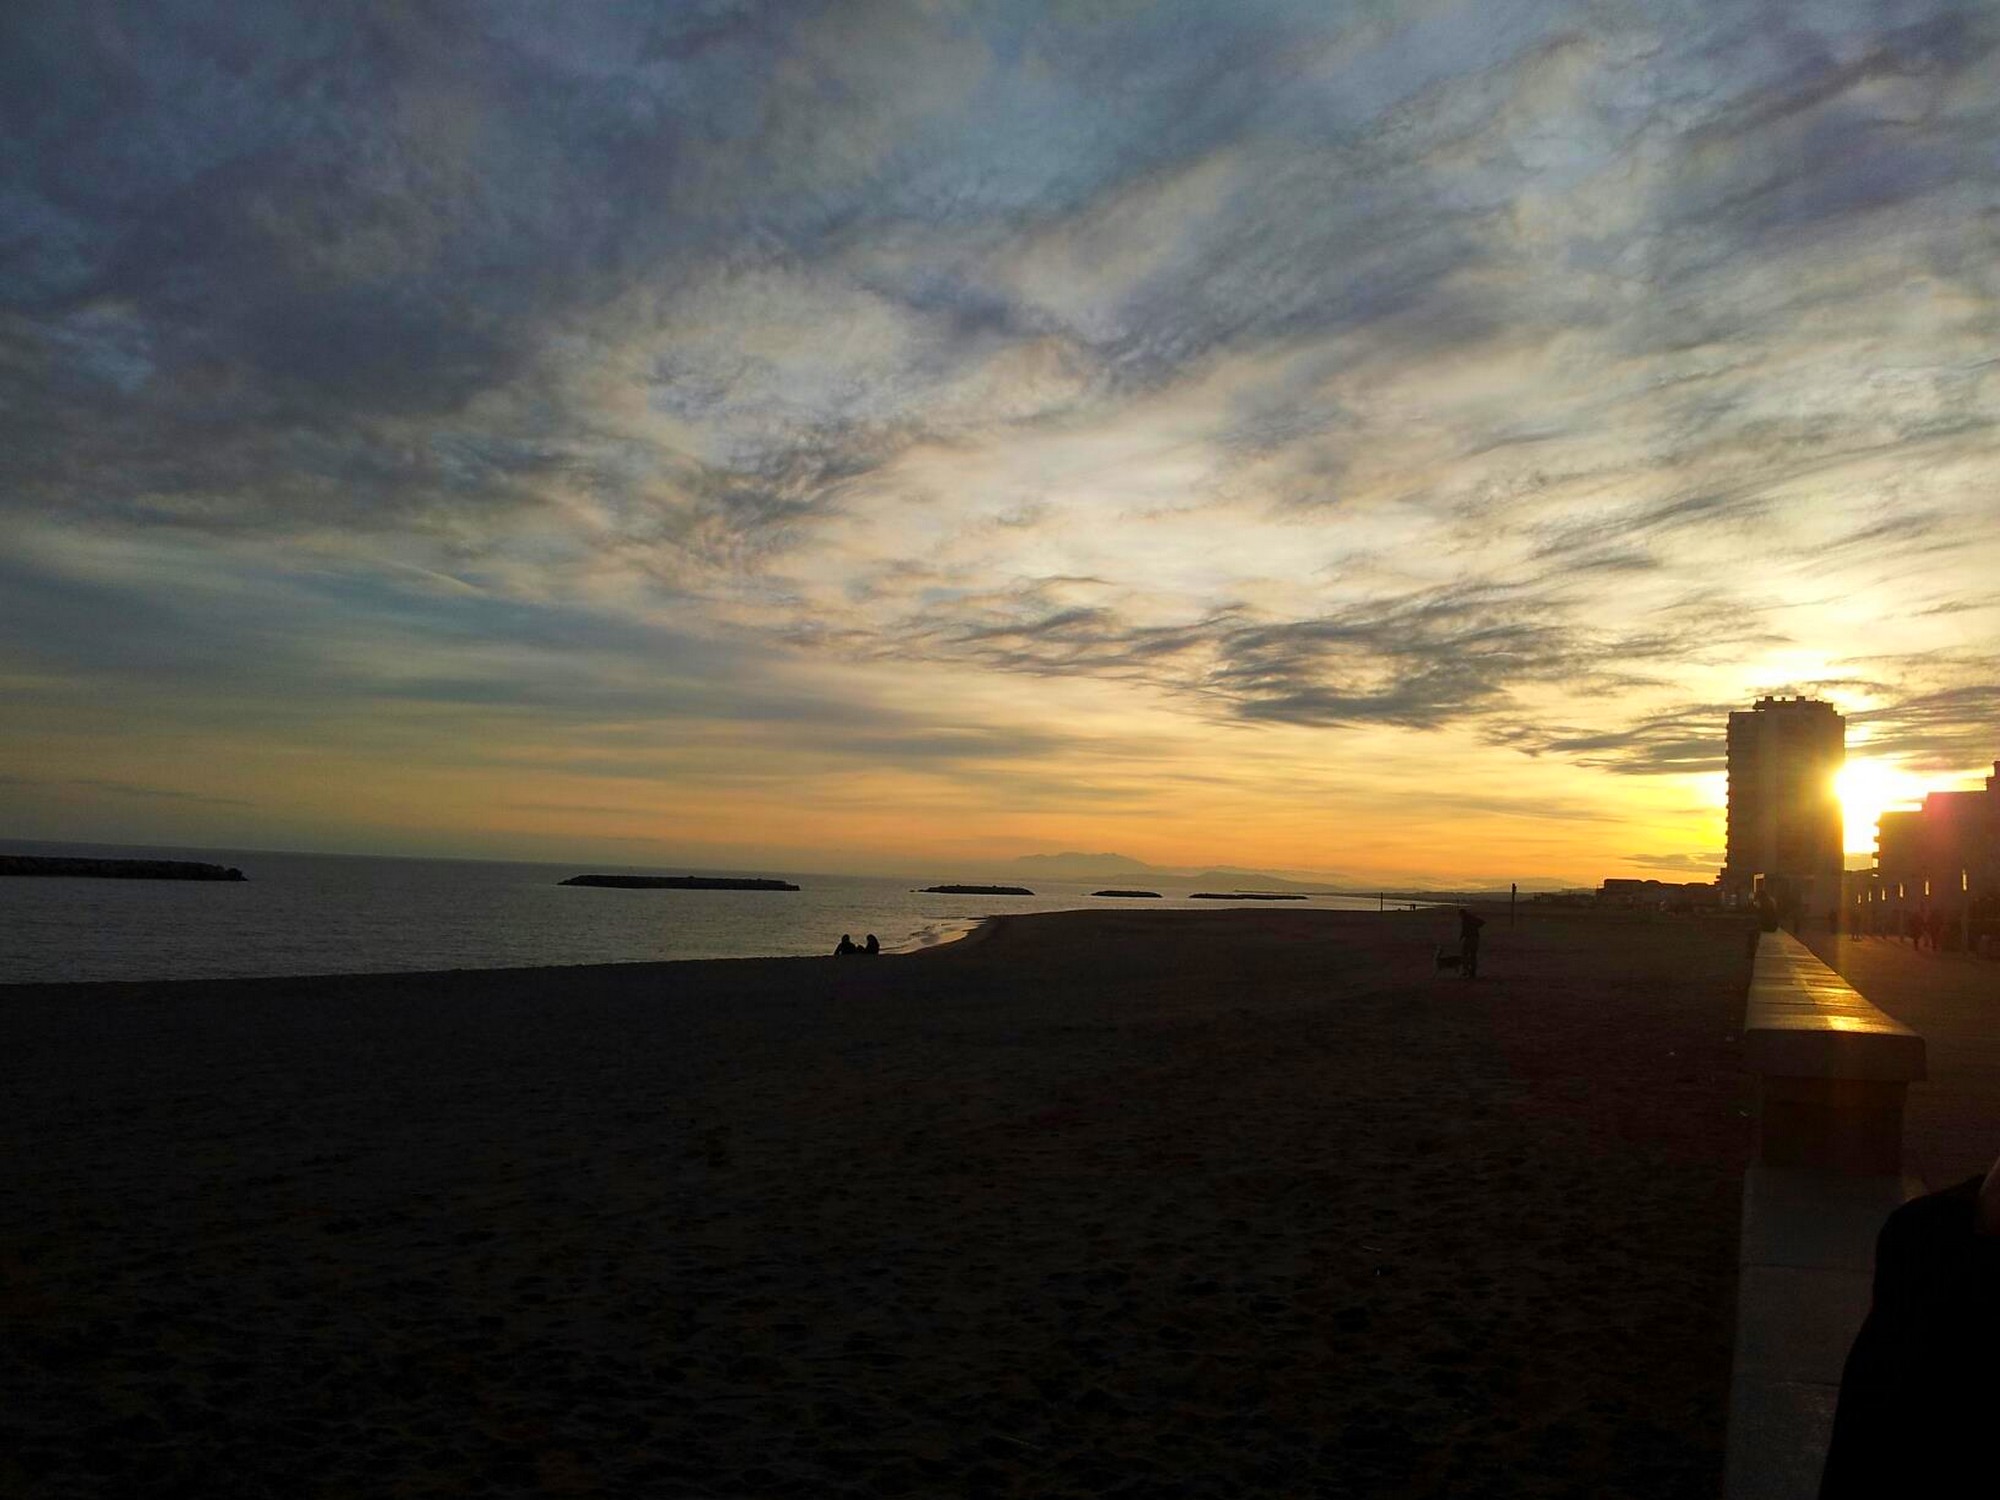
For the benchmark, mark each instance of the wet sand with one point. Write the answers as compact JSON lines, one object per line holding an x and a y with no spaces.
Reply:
{"x":1109,"y":1203}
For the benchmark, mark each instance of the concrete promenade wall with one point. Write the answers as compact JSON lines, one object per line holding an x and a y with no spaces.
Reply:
{"x":1951,"y":1130}
{"x":1831,"y":1074}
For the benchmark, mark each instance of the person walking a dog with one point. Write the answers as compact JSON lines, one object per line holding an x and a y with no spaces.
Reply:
{"x":1469,"y":924}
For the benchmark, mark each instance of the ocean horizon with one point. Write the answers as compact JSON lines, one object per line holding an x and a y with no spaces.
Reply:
{"x":299,"y":913}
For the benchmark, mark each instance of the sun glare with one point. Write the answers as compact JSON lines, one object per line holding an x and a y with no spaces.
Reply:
{"x":1869,"y":788}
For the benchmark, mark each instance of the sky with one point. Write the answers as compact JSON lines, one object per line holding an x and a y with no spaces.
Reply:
{"x":1380,"y":439}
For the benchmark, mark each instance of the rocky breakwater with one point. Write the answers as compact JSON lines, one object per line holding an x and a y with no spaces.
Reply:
{"x":976,"y":890}
{"x":115,"y":869}
{"x":1130,"y":895}
{"x":1245,"y":896}
{"x":678,"y":883}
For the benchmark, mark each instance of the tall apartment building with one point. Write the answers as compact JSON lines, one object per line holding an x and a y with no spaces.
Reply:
{"x":1784,"y":810}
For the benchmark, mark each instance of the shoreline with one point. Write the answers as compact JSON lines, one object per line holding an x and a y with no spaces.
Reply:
{"x":963,"y":938}
{"x":957,"y":941}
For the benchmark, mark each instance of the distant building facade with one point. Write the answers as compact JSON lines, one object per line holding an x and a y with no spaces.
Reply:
{"x":1660,"y":895}
{"x":1784,"y":810}
{"x":1943,"y":857}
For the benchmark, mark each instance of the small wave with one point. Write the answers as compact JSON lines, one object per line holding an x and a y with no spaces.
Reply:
{"x":935,"y":934}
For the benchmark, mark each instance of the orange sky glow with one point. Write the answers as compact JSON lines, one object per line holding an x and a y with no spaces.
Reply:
{"x":896,"y":441}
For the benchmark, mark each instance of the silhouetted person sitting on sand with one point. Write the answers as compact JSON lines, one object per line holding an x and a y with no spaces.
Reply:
{"x":1469,"y":924}
{"x":871,"y":945}
{"x":845,"y":947}
{"x":1922,"y":1382}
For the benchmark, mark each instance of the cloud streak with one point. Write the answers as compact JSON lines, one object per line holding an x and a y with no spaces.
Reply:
{"x":1543,"y":379}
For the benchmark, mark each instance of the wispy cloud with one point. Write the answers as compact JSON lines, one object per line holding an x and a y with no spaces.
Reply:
{"x":1944,"y":729}
{"x":130,"y":789}
{"x":1701,"y":867}
{"x":1546,"y":376}
{"x":1683,"y":740}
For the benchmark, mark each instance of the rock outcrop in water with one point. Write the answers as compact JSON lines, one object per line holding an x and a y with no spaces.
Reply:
{"x":1134,"y":895}
{"x":976,"y":890}
{"x":679,"y":883}
{"x":1245,"y":896}
{"x":115,"y":869}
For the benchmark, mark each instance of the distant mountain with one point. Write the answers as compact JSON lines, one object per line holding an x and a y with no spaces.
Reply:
{"x":1229,"y":877}
{"x":1122,"y":869}
{"x":1074,"y":866}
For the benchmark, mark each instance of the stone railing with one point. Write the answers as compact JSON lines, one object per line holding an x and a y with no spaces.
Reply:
{"x":1831,"y":1069}
{"x":1831,"y":1073}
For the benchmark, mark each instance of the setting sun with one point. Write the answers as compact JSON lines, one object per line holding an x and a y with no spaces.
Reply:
{"x":1867,"y":789}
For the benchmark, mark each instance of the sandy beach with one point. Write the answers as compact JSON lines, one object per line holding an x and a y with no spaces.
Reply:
{"x":1136,"y":1203}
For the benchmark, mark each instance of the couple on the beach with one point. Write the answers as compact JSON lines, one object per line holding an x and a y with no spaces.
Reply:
{"x":846,"y":946}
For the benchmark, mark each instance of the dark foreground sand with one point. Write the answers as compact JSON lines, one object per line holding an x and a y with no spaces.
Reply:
{"x":1133,"y":1203}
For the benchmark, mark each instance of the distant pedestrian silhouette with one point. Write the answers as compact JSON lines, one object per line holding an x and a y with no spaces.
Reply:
{"x":845,"y":946}
{"x":871,"y":946}
{"x":1469,"y":924}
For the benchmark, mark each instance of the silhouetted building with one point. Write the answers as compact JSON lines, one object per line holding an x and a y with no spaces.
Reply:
{"x":1660,"y":895}
{"x":1942,"y":857}
{"x":1784,"y":810}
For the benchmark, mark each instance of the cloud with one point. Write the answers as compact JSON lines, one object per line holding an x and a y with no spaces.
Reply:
{"x":124,"y":790}
{"x":1546,"y":374}
{"x":168,"y":794}
{"x":1684,"y":740}
{"x":1940,"y":729}
{"x":1421,"y":660}
{"x":1946,"y":728}
{"x":1705,"y":865}
{"x":1588,"y":534}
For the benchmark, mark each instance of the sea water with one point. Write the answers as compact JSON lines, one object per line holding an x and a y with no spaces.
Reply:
{"x":349,"y":914}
